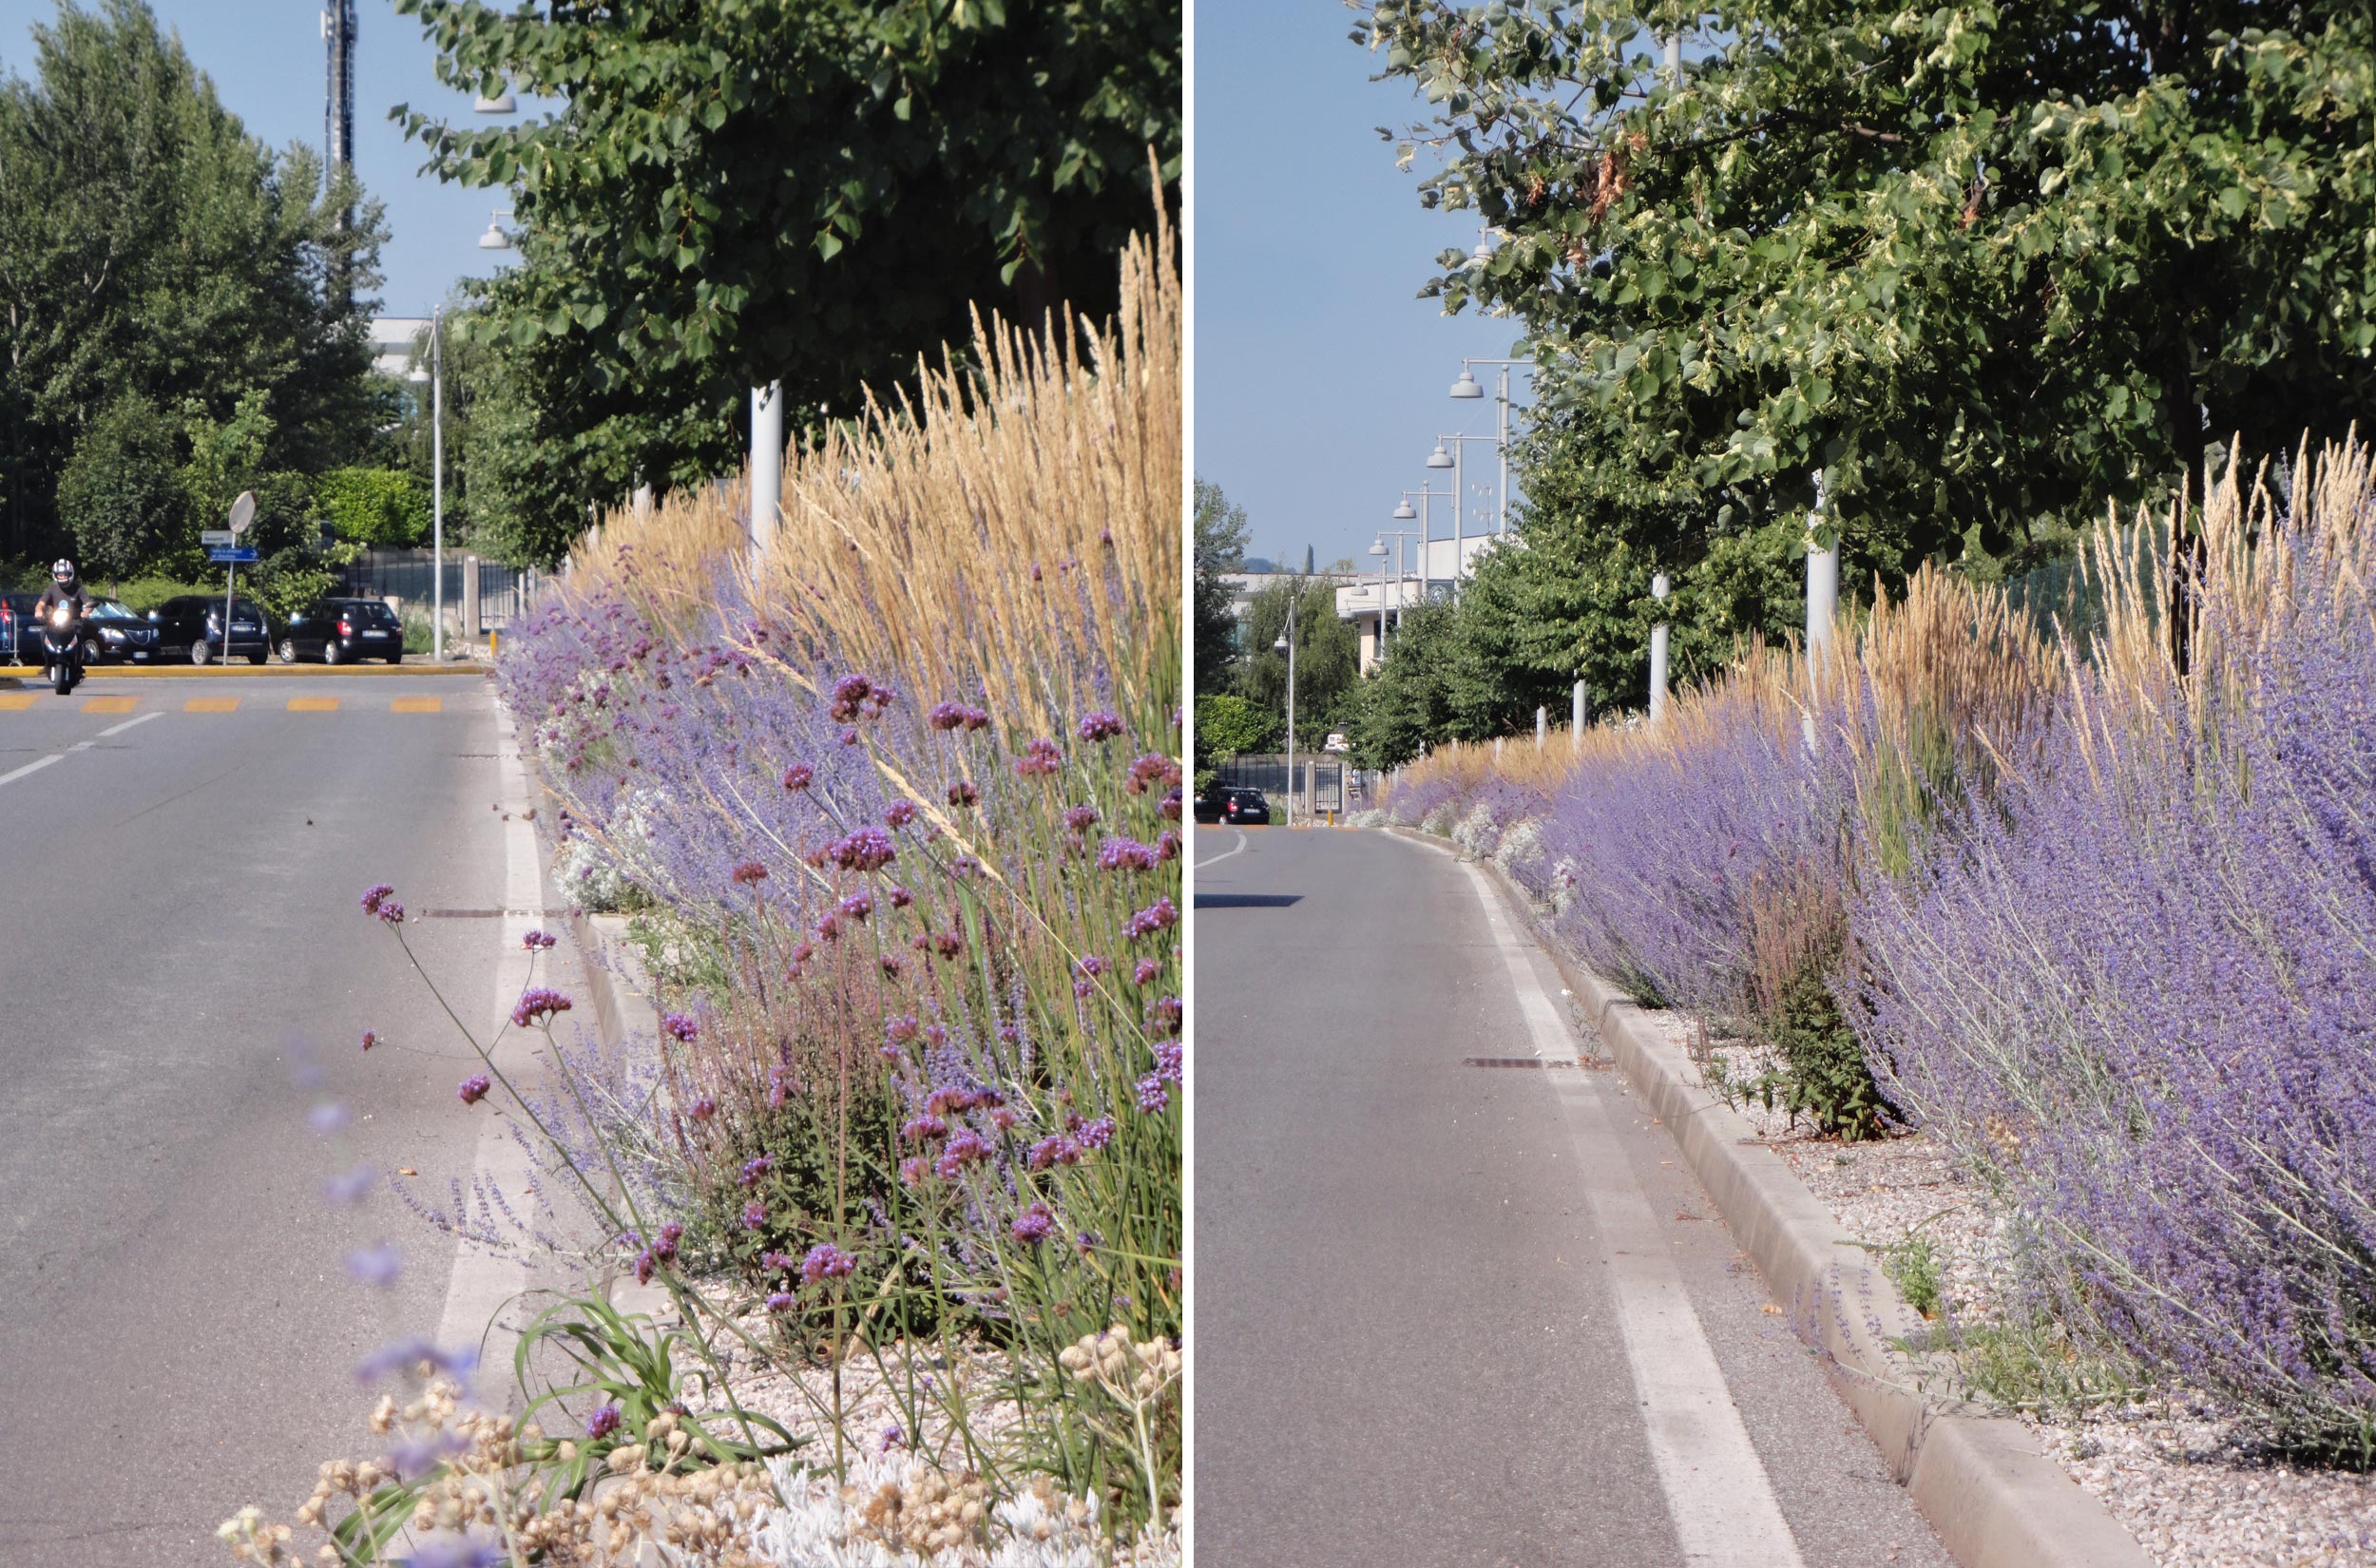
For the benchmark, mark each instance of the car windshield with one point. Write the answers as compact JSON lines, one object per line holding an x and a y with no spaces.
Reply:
{"x":111,"y":609}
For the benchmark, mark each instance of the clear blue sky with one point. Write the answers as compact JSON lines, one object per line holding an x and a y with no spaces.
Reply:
{"x":1321,"y":378}
{"x":266,"y":58}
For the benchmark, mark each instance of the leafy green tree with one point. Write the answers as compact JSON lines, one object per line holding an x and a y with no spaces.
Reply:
{"x":1228,"y":725}
{"x":151,"y":247}
{"x":117,"y":499}
{"x":1403,"y":706}
{"x":1989,"y":266}
{"x":384,"y":506}
{"x":1221,"y":536}
{"x":227,"y":456}
{"x":804,"y":191}
{"x":1328,"y":655}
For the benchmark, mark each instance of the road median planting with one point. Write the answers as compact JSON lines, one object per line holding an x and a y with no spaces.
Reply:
{"x":892,"y":1156}
{"x":2059,"y":930}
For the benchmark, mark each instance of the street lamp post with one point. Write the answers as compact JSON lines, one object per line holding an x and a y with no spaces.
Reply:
{"x":1452,"y":460}
{"x":1377,"y":651}
{"x":1425,"y":514}
{"x":1287,"y":643}
{"x":1401,"y":577}
{"x":435,"y":376}
{"x":1467,"y":388}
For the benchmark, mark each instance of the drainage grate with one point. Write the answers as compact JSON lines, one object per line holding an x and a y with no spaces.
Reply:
{"x":1585,"y":1063}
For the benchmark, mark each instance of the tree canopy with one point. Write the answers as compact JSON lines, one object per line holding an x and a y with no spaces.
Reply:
{"x":155,"y":258}
{"x":1990,"y":266}
{"x":1218,"y":547}
{"x":804,"y":191}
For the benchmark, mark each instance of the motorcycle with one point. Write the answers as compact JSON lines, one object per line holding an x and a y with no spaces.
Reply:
{"x":63,"y":639}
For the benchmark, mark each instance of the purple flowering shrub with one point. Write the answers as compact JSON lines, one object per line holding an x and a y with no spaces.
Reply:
{"x":2138,"y":991}
{"x":925,"y":971}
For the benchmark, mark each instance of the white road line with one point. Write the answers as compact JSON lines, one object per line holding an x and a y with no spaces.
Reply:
{"x":1718,"y":1492}
{"x":12,"y":776}
{"x":15,"y":774}
{"x":1215,"y":860}
{"x":482,"y":1302}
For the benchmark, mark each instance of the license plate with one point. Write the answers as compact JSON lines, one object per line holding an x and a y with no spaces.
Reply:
{"x":243,"y":625}
{"x":375,"y":634}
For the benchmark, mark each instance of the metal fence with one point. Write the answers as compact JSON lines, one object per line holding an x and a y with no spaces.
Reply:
{"x":506,"y":594}
{"x":1267,"y":772}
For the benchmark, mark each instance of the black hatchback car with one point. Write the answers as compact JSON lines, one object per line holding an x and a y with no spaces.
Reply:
{"x":192,"y":625}
{"x":1239,"y":807}
{"x":120,"y":633}
{"x":336,"y":630}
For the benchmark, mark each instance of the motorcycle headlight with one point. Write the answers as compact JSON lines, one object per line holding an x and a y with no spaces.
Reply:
{"x":58,"y":617}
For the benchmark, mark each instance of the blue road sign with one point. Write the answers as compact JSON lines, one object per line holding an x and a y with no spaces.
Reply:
{"x":239,"y":554}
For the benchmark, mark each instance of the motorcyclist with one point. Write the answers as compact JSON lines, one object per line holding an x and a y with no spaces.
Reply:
{"x":65,"y":588}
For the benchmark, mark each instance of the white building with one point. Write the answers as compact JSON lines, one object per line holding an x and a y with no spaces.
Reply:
{"x":1431,"y":571}
{"x":392,"y":337}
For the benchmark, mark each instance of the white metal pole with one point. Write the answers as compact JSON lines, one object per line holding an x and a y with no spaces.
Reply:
{"x":1575,"y":717}
{"x":1502,"y":521}
{"x":1543,"y":726}
{"x":1658,"y":652}
{"x":437,"y":485}
{"x":1823,"y":578}
{"x":767,"y":463}
{"x":1459,"y":500}
{"x":1290,"y":711}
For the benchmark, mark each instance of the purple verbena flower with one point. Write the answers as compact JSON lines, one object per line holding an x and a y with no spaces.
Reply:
{"x":537,"y":1003}
{"x":473,"y":1088}
{"x":826,"y":1261}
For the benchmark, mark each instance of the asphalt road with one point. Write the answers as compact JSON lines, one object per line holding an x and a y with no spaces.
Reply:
{"x":1454,"y":1315}
{"x":184,"y":976}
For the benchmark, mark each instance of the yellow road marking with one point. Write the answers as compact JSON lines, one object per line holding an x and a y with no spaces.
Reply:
{"x":109,"y":705}
{"x":313,"y":704}
{"x":211,"y":705}
{"x":419,"y":705}
{"x":15,"y":701}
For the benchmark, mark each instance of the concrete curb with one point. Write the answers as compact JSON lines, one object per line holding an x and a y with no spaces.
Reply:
{"x":1995,"y":1500}
{"x":620,"y":994}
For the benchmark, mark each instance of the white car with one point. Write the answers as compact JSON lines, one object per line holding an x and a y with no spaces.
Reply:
{"x":1337,"y":742}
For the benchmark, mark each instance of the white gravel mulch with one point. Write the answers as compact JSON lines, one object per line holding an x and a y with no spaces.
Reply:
{"x":2173,"y":1473}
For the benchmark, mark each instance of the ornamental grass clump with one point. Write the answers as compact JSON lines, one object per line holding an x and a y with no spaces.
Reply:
{"x":2137,"y":988}
{"x":902,"y":807}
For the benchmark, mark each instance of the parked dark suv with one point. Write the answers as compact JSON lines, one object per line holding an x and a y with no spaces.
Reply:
{"x":336,"y":630}
{"x":193,"y":624}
